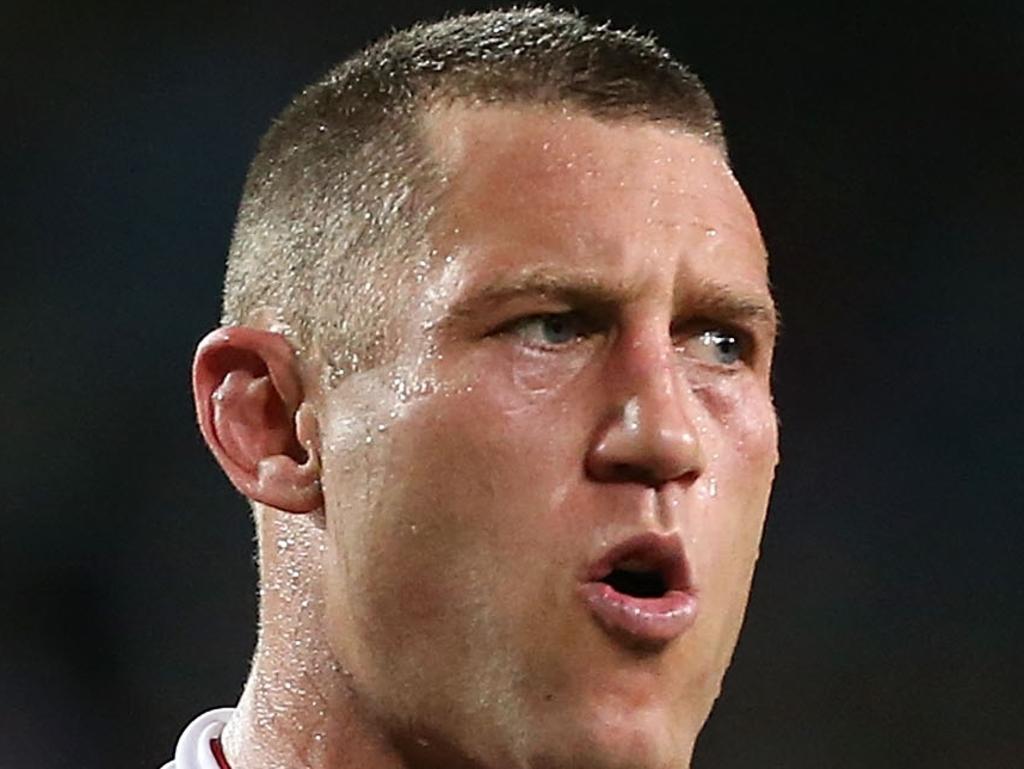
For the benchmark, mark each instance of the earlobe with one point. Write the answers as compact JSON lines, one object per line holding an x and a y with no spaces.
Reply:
{"x":250,"y":407}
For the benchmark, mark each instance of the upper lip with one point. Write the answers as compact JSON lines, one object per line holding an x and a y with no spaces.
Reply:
{"x":658,"y":552}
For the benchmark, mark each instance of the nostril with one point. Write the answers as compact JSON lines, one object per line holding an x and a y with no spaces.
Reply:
{"x":624,"y":472}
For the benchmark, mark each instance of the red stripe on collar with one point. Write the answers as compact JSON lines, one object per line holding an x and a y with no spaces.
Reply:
{"x":218,"y":753}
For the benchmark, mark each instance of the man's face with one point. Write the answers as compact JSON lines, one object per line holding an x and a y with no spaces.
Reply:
{"x":543,"y":517}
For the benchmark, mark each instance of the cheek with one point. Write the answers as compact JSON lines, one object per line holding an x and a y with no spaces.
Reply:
{"x":451,"y":558}
{"x":742,"y":455}
{"x":464,"y":479}
{"x":747,"y":429}
{"x":515,"y":430}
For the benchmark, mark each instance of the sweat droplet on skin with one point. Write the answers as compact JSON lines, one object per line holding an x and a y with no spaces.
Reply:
{"x":631,"y":415}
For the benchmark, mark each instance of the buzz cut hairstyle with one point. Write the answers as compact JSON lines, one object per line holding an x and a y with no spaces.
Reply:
{"x":335,"y":212}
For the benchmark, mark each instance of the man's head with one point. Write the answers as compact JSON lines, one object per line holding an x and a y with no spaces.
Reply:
{"x":529,"y":424}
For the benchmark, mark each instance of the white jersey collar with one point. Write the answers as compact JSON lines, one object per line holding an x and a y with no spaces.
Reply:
{"x":193,"y":750}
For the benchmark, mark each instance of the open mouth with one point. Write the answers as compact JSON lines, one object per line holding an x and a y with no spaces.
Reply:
{"x":632,"y":579}
{"x":640,"y":591}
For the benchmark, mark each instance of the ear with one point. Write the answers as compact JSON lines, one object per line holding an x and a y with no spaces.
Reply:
{"x":250,"y":406}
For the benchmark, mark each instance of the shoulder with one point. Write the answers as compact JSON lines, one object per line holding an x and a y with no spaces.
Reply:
{"x":193,"y":749}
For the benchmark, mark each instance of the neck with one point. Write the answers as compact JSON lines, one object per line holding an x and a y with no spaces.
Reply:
{"x":298,"y":709}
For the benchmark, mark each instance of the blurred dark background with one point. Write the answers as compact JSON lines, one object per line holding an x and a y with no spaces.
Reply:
{"x":881,"y":145}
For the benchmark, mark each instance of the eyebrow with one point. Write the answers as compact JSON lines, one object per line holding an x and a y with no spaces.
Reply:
{"x":721,"y":301}
{"x":710,"y":297}
{"x":574,"y":285}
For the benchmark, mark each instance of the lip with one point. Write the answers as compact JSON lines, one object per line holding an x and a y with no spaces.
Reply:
{"x":646,"y":622}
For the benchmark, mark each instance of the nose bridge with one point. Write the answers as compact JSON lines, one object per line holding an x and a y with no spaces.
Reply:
{"x":648,"y":369}
{"x":659,"y":393}
{"x":651,"y":432}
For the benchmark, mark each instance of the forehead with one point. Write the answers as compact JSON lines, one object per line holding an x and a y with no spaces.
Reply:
{"x":548,"y":180}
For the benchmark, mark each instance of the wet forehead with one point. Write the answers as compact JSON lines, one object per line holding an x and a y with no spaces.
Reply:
{"x":541,"y":152}
{"x":559,"y":181}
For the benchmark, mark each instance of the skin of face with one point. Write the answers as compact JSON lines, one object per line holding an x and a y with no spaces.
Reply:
{"x":562,"y":385}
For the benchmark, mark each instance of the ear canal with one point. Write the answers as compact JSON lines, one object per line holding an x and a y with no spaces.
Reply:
{"x":307,"y":437}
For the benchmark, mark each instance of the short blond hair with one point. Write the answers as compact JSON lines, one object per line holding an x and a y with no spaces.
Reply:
{"x":338,"y":199}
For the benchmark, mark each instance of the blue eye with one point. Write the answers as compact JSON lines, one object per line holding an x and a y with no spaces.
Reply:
{"x":551,"y":330}
{"x":725,"y":348}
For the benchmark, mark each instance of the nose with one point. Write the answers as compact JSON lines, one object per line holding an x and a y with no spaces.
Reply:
{"x":649,"y":435}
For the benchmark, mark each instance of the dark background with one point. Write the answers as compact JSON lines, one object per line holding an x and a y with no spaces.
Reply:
{"x":880,"y":144}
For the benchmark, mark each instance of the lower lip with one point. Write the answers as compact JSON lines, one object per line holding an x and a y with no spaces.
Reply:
{"x":643,"y":620}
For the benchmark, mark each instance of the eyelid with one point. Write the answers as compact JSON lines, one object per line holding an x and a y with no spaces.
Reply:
{"x":587,"y":325}
{"x":587,"y":319}
{"x":703,"y":323}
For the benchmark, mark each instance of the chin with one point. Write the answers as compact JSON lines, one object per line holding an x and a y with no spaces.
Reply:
{"x":615,"y":739}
